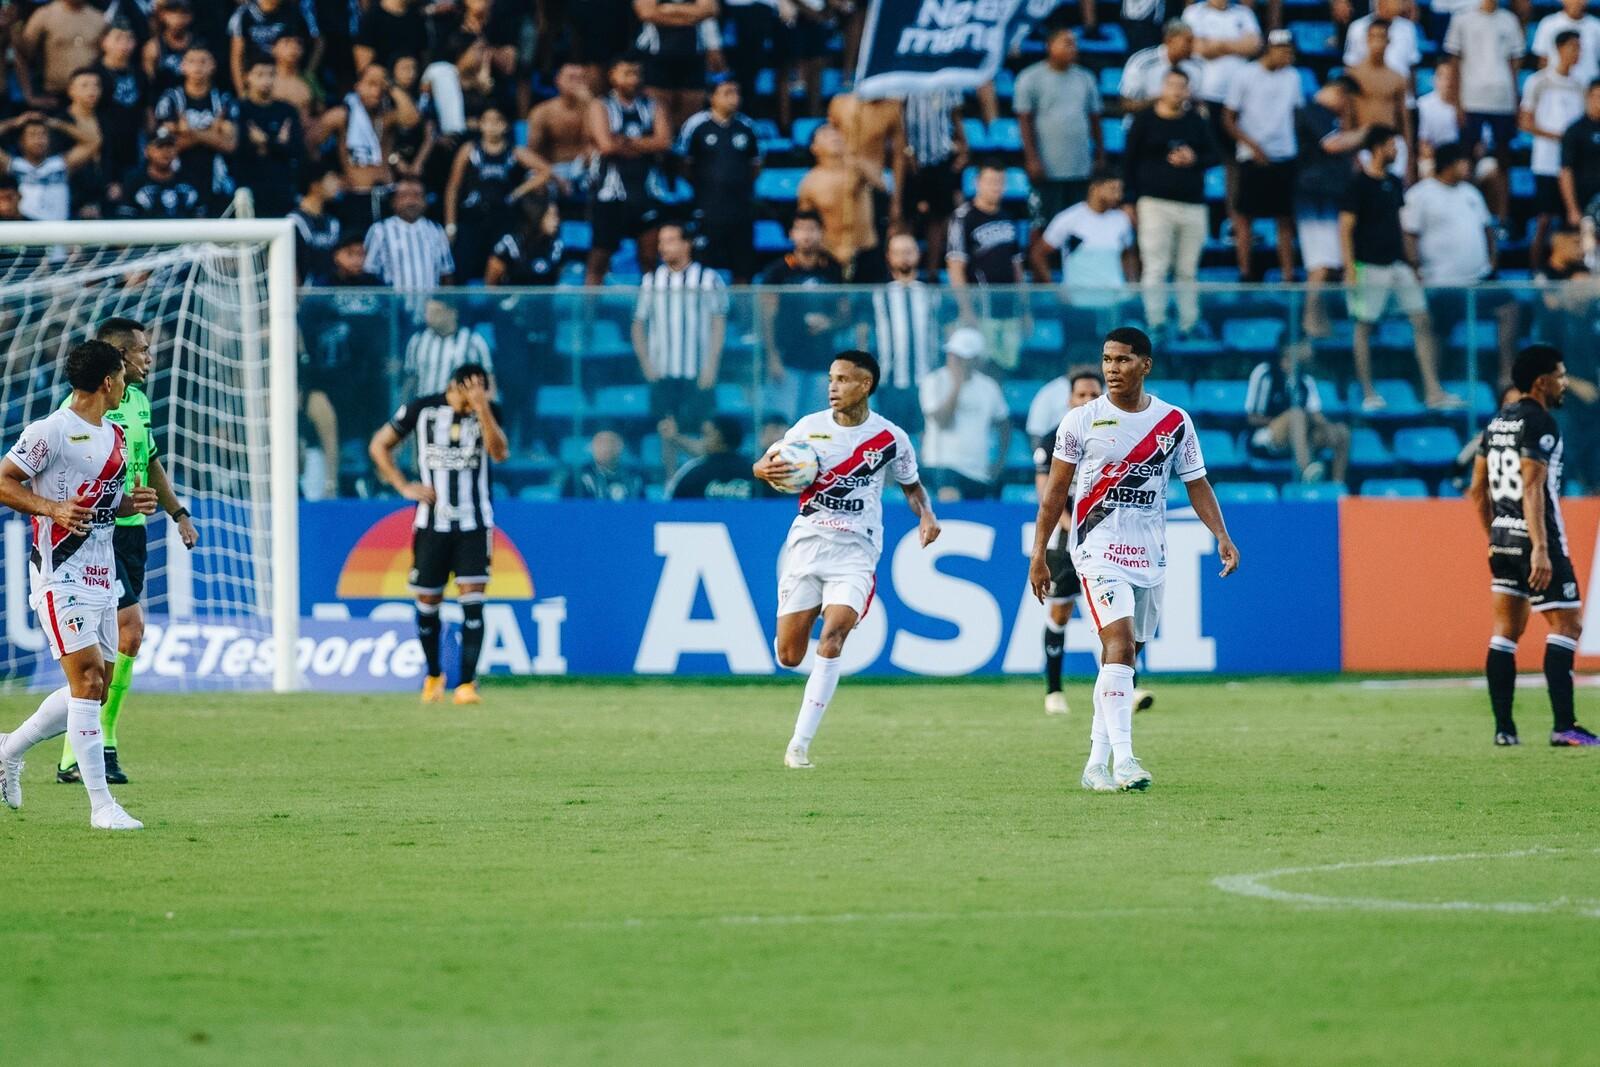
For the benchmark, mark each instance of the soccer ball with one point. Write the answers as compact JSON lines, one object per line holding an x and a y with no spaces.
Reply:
{"x":803,"y":458}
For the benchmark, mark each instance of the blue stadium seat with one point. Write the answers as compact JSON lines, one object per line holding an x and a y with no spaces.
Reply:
{"x":1313,"y":491}
{"x":572,"y":272}
{"x":1019,"y":454}
{"x":1367,"y":450}
{"x":977,"y":135}
{"x":1401,"y":398}
{"x":1171,"y":390}
{"x":779,"y":185}
{"x":1314,"y":39}
{"x":1479,"y":396}
{"x":1246,"y":492}
{"x":1252,"y":336}
{"x":604,"y":341}
{"x":1223,"y":401}
{"x":1521,"y":183}
{"x":1395,"y":334}
{"x":1449,"y":490}
{"x":1221,"y":450}
{"x":803,"y":130}
{"x":1115,"y":135}
{"x":770,"y":238}
{"x":576,"y":235}
{"x":1111,"y":81}
{"x":1005,"y":85}
{"x":1308,"y":82}
{"x":769,"y":139}
{"x":1048,"y":337}
{"x":1019,"y":394}
{"x":623,"y":401}
{"x":1427,"y":447}
{"x":1424,"y":80}
{"x":573,"y":450}
{"x":734,"y":400}
{"x":1018,"y":493}
{"x":1394,"y":487}
{"x":1112,"y":41}
{"x":1017,"y":185}
{"x":1005,"y":136}
{"x":1480,"y":334}
{"x":1216,"y":185}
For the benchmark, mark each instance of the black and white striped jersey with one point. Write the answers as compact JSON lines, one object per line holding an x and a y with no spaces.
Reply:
{"x":452,"y":461}
{"x":906,"y":317}
{"x":409,"y":255}
{"x":930,"y":131}
{"x":678,"y":309}
{"x":432,"y":357}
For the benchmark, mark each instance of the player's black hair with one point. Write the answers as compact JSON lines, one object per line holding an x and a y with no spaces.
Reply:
{"x":1377,"y":135}
{"x":677,"y":224}
{"x":730,"y":429}
{"x":1447,"y":156}
{"x":1084,"y":372}
{"x":1133,"y":337}
{"x":990,"y":163}
{"x":1564,"y":36}
{"x":118,"y":331}
{"x":261,"y":60}
{"x":1385,"y":23}
{"x":467,"y":371}
{"x":90,"y":363}
{"x":1534,"y":362}
{"x":1101,"y":176}
{"x":1179,"y":72}
{"x":865,"y":361}
{"x":807,"y":216}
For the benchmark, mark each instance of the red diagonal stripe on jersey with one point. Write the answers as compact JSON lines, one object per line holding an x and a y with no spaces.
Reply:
{"x":877,"y":442}
{"x":1139,"y":453}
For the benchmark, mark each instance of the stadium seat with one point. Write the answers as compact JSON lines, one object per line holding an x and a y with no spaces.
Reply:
{"x":1308,"y":82}
{"x":780,"y":185}
{"x":1480,"y":396}
{"x":1367,"y":450}
{"x":1394,"y":487}
{"x":1019,"y":455}
{"x":1216,"y":185}
{"x":1427,"y":447}
{"x":1019,"y":493}
{"x":604,"y":341}
{"x":573,"y":450}
{"x":1019,"y":394}
{"x":1401,"y":398}
{"x":770,"y":238}
{"x":1448,"y":489}
{"x":1111,"y":41}
{"x":1395,"y":335}
{"x":1313,"y":491}
{"x":1005,"y":136}
{"x":1252,"y":336}
{"x":1480,"y":334}
{"x":1005,"y":85}
{"x":769,"y":138}
{"x":576,"y":235}
{"x":1171,"y":390}
{"x":734,"y":400}
{"x":1219,"y":401}
{"x":803,"y":130}
{"x":1115,"y":135}
{"x":1246,"y":492}
{"x":1221,"y":450}
{"x":1314,"y":39}
{"x":977,"y":135}
{"x":1111,"y":81}
{"x":625,"y":402}
{"x":1521,"y":183}
{"x":1048,"y":338}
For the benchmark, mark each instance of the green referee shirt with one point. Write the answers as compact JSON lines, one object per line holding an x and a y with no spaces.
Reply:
{"x":133,"y":415}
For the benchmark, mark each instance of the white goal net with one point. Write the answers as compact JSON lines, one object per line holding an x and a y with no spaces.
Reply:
{"x":216,"y":300}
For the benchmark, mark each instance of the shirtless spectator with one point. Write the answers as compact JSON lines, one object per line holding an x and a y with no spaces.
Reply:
{"x":1382,"y":100}
{"x":874,"y":134}
{"x":557,"y":129}
{"x":366,"y":122}
{"x":289,"y":76}
{"x":61,"y":37}
{"x":839,"y":190}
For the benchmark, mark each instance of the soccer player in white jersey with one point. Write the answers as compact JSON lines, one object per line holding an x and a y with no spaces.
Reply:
{"x":67,"y":472}
{"x":831,"y":555}
{"x":1114,"y":456}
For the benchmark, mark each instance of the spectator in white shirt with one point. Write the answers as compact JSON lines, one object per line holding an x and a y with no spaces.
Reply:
{"x":1259,"y":116}
{"x":1401,"y":54}
{"x":968,"y":423}
{"x":1438,"y":116}
{"x":1488,"y":42}
{"x":1095,"y":242}
{"x":1226,"y":37}
{"x":1145,"y":70}
{"x":406,"y":250}
{"x":1551,"y":102}
{"x":1573,"y":16}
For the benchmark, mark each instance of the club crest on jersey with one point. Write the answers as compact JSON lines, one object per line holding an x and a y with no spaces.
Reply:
{"x":1105,"y":597}
{"x":873,"y":456}
{"x":1166,"y":441}
{"x":73,"y":625}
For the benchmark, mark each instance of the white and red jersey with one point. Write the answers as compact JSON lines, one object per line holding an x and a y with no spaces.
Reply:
{"x":845,"y":503}
{"x":1125,"y":460}
{"x":67,"y":458}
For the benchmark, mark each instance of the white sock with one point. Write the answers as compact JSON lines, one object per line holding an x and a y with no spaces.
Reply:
{"x":89,"y":746}
{"x":49,"y":721}
{"x":1099,"y":736}
{"x":1114,"y":689}
{"x":819,"y":690}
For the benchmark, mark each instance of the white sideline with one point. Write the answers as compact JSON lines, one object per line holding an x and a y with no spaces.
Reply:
{"x":1254,"y":885}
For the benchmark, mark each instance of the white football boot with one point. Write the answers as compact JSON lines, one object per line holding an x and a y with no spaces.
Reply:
{"x":1097,"y":779}
{"x":1130,"y":775}
{"x":796,"y":759}
{"x":112,"y":817}
{"x":10,"y":780}
{"x":1055,"y":704}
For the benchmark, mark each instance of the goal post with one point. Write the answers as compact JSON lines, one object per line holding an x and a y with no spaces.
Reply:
{"x":219,"y":296}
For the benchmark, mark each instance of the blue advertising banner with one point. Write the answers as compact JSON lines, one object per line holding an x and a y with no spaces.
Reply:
{"x":911,"y":46}
{"x":690,"y":588}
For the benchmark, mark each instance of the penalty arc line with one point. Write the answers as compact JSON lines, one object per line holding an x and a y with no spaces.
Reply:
{"x":1254,"y":885}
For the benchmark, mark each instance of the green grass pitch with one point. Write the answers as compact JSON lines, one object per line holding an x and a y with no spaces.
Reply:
{"x":623,"y":873}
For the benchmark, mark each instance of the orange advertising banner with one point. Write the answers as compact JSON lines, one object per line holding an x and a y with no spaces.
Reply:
{"x":1414,"y":584}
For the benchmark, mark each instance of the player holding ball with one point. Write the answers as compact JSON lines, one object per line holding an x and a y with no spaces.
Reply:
{"x":838,"y":460}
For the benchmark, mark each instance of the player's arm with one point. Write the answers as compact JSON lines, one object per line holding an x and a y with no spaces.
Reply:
{"x":1478,"y":493}
{"x":494,"y":437}
{"x":771,"y":468}
{"x":921,"y":505}
{"x":1204,"y":501}
{"x":69,"y":514}
{"x":1052,"y":504}
{"x":1534,"y":503}
{"x":168,"y":499}
{"x":381,"y":450}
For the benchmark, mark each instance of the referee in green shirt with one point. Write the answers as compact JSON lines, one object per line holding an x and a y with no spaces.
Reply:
{"x":130,"y":540}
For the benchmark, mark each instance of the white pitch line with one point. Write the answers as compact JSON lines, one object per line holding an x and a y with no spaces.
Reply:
{"x":1254,"y":885}
{"x":841,"y":918}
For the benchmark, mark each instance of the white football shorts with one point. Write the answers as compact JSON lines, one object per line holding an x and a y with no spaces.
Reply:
{"x":818,"y":572}
{"x":1111,"y":599}
{"x":72,"y":620}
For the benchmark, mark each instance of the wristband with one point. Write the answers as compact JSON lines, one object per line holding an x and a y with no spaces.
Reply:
{"x":180,"y":514}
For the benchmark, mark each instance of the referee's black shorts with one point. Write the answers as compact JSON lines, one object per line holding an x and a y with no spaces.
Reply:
{"x":436,"y":555}
{"x":130,"y":545}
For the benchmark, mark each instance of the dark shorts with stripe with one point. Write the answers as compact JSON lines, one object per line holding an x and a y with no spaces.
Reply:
{"x":1064,"y":584}
{"x":131,"y":547}
{"x":436,"y":556}
{"x":1508,"y":571}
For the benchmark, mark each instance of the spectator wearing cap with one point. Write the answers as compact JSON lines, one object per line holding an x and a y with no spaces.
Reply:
{"x":1551,"y":102}
{"x":720,"y":472}
{"x":1145,"y":70}
{"x":59,"y":38}
{"x":680,"y":43}
{"x":1164,"y":167}
{"x":967,"y":422}
{"x":159,"y":191}
{"x":1488,"y":44}
{"x":720,"y":150}
{"x":1058,"y":111}
{"x":1328,"y":143}
{"x":1259,"y":116}
{"x":1573,"y":17}
{"x":1451,"y":236}
{"x":1580,"y":159}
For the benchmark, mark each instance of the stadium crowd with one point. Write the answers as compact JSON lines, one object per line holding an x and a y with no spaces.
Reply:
{"x":1411,"y":150}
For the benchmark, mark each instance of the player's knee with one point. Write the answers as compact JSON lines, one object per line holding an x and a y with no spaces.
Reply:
{"x":1117,"y":650}
{"x":430,"y":599}
{"x":1061,"y":613}
{"x":831,"y":643}
{"x":130,"y":637}
{"x":91,"y":684}
{"x":790,"y":654}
